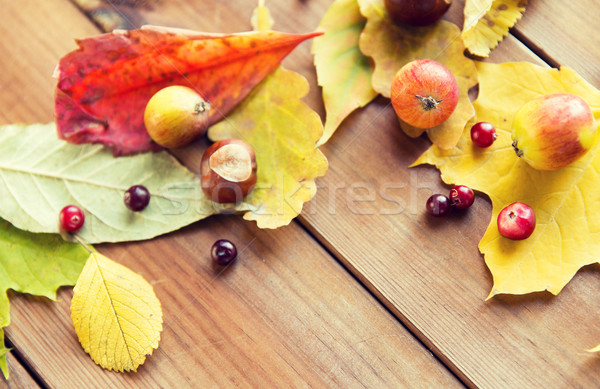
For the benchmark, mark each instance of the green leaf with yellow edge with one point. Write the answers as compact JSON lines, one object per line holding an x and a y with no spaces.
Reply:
{"x":36,"y":264}
{"x":487,"y":22}
{"x":392,"y":46}
{"x":567,"y":235}
{"x":343,"y":71}
{"x":283,"y":132}
{"x":116,"y":314}
{"x":40,"y":174}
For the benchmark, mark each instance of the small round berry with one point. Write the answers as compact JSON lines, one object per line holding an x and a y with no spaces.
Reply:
{"x":71,"y":218}
{"x":516,"y":221}
{"x":483,"y":134}
{"x":137,"y":198}
{"x":461,"y":197}
{"x":223,"y":252}
{"x":438,"y":205}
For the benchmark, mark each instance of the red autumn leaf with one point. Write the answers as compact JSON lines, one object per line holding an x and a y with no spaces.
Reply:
{"x":103,"y":87}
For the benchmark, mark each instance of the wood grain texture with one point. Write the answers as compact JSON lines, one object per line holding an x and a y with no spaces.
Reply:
{"x":567,"y":32}
{"x":285,"y":315}
{"x":19,"y":377}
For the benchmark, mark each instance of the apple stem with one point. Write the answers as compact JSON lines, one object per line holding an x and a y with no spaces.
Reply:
{"x":428,"y":102}
{"x":201,"y":107}
{"x":518,"y":151}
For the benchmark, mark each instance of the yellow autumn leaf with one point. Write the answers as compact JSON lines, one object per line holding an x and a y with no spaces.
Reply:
{"x":283,"y":132}
{"x":567,"y":235}
{"x":392,"y":46}
{"x":261,"y":17}
{"x":487,"y":22}
{"x":343,"y":71}
{"x":116,"y":314}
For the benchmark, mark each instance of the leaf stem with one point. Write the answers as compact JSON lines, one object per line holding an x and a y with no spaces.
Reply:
{"x":83,"y":243}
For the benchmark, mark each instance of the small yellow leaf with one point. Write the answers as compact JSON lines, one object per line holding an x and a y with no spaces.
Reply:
{"x":116,"y":314}
{"x":261,"y":17}
{"x":392,"y":46}
{"x":594,"y":350}
{"x":565,"y":201}
{"x":487,"y":22}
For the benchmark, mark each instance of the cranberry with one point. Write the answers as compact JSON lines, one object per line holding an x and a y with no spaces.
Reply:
{"x":516,"y":221}
{"x":462,"y":197}
{"x":483,"y":134}
{"x":137,"y":198}
{"x":438,"y":205}
{"x":71,"y":218}
{"x":223,"y":252}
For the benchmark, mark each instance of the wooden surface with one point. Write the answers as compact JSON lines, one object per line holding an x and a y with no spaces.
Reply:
{"x":363,"y":290}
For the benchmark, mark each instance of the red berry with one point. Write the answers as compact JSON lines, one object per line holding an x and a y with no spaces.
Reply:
{"x":223,"y":252}
{"x":71,"y":218}
{"x":438,"y":205}
{"x":483,"y":134}
{"x":137,"y":198}
{"x":516,"y":221}
{"x":461,"y":197}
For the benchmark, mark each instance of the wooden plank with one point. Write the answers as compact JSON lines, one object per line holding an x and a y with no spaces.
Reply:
{"x":429,"y":273}
{"x":567,"y":32}
{"x":19,"y":377}
{"x":286,"y":314}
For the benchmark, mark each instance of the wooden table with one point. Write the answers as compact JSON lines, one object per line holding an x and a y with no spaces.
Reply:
{"x":347,"y":295}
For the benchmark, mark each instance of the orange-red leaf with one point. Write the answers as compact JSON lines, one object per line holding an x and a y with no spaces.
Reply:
{"x":103,"y":87}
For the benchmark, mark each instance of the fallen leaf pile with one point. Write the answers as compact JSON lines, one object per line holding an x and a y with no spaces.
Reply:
{"x":102,"y":91}
{"x":369,"y":34}
{"x":104,"y":86}
{"x":565,"y":201}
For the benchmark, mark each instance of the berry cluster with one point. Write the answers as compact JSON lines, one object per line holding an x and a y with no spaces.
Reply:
{"x":516,"y":221}
{"x":461,"y":197}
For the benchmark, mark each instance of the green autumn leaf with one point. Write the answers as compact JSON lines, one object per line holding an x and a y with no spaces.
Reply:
{"x":116,"y":315}
{"x":565,"y":201}
{"x":342,"y":70}
{"x":392,"y":46}
{"x":487,"y":22}
{"x":36,"y":264}
{"x":40,"y":174}
{"x":283,"y":132}
{"x":3,"y":352}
